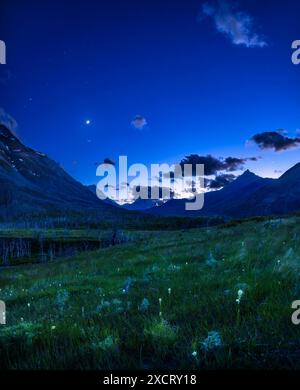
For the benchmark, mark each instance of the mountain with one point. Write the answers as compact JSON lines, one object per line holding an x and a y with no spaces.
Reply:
{"x":138,"y":205}
{"x":247,"y":196}
{"x":30,"y":182}
{"x":93,"y":189}
{"x":282,"y":196}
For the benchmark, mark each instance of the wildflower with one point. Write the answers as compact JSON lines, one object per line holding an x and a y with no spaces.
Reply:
{"x":116,"y":302}
{"x":194,"y":354}
{"x":161,"y":331}
{"x":169,"y":291}
{"x":212,"y":341}
{"x":127,"y":285}
{"x":28,"y":304}
{"x":160,"y":312}
{"x":109,"y":343}
{"x":211,"y":261}
{"x":144,"y":305}
{"x":53,"y":327}
{"x":240,"y":294}
{"x":103,"y":305}
{"x":61,"y":299}
{"x":174,"y":267}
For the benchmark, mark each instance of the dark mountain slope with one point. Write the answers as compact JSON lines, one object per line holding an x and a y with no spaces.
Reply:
{"x":93,"y":189}
{"x":32,"y":182}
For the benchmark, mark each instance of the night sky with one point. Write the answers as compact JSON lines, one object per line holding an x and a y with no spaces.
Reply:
{"x":157,"y":79}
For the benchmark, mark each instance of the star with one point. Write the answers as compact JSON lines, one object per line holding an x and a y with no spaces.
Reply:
{"x":87,"y":122}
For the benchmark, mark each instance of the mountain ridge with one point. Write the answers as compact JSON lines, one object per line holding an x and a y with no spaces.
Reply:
{"x":248,"y":195}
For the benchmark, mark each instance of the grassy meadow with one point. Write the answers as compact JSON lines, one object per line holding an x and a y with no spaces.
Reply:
{"x":207,"y":298}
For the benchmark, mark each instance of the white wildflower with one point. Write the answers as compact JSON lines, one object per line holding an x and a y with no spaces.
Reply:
{"x":239,"y":297}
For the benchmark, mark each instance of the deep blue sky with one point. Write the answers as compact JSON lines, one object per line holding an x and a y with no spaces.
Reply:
{"x":108,"y":61}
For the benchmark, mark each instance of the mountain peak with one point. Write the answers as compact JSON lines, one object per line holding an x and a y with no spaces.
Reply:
{"x":247,"y":176}
{"x":248,"y":173}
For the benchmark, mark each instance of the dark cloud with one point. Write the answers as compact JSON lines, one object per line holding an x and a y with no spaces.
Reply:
{"x":275,"y":140}
{"x":235,"y":164}
{"x":109,"y":161}
{"x":149,"y":189}
{"x":220,"y":181}
{"x":213,"y":165}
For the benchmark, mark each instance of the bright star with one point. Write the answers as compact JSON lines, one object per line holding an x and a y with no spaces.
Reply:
{"x":87,"y":122}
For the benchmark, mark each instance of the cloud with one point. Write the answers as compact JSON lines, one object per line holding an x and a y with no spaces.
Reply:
{"x":109,"y":161}
{"x":220,"y":168}
{"x":8,"y":121}
{"x":213,"y":165}
{"x":220,"y":181}
{"x":151,"y":189}
{"x":139,"y":122}
{"x":275,"y":140}
{"x":234,"y":163}
{"x":235,"y":25}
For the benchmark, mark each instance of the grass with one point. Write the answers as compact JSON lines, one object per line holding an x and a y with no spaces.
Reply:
{"x":167,"y":300}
